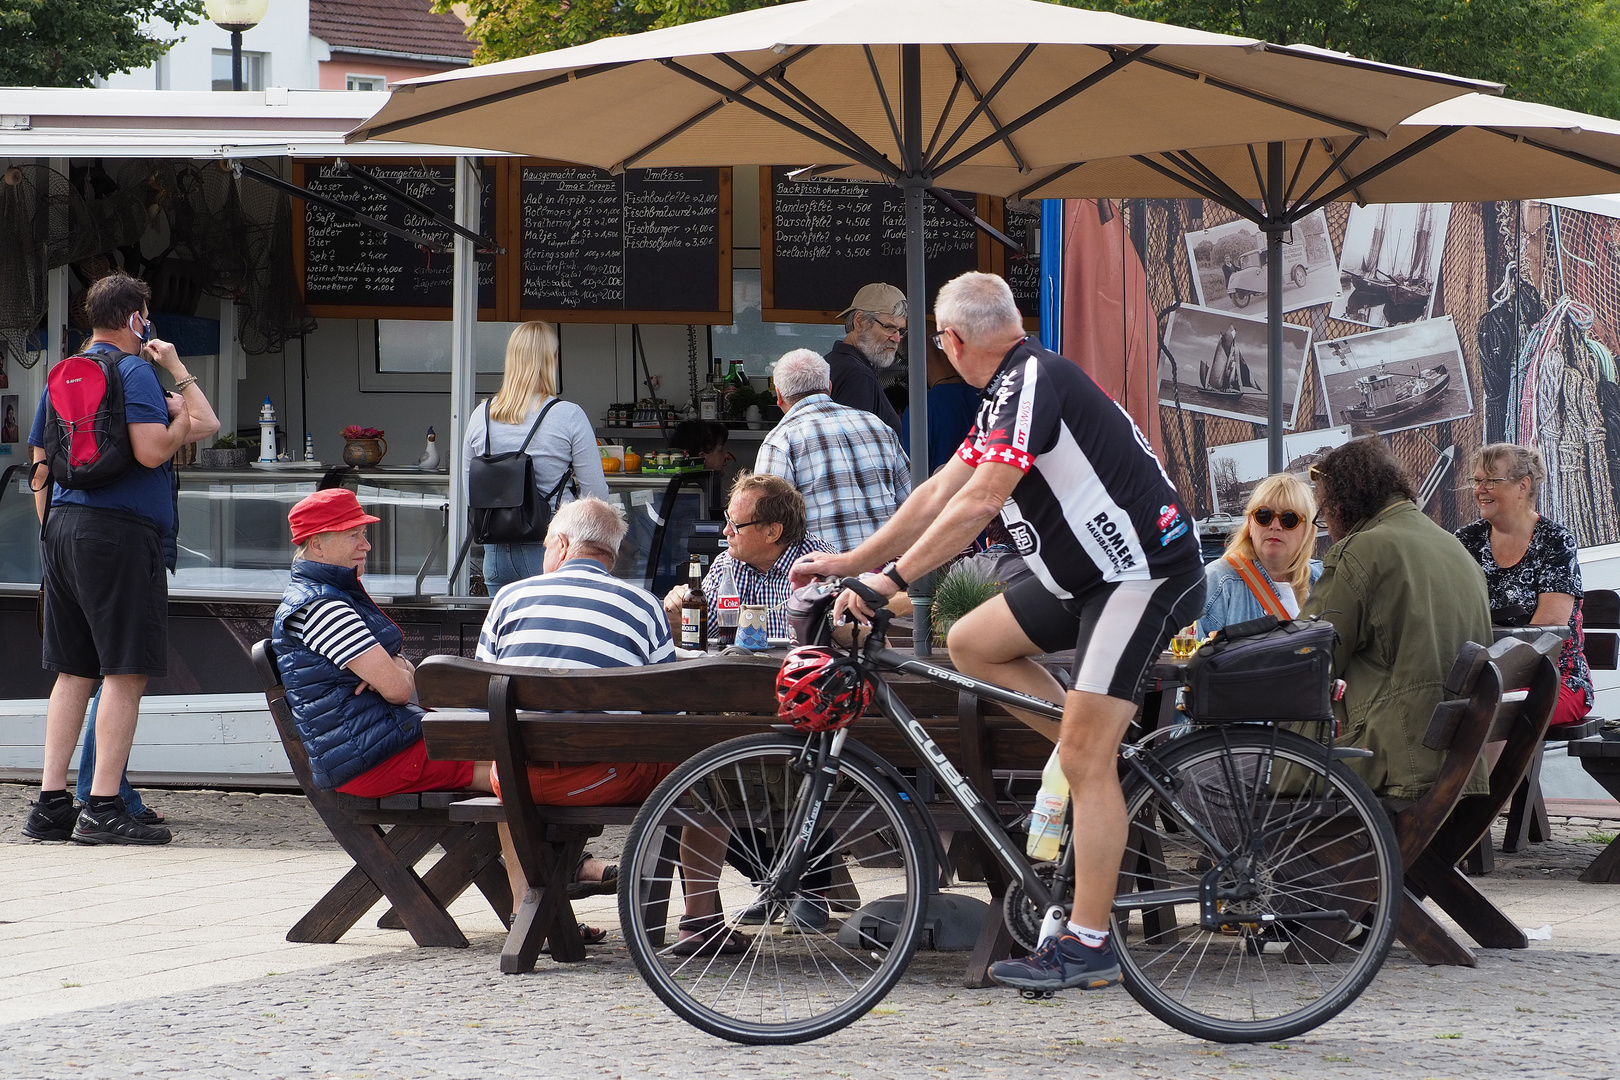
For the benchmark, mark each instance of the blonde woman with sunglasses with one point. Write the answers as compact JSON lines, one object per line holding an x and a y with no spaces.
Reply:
{"x":1267,"y":568}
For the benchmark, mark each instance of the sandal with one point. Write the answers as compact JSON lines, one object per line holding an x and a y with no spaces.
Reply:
{"x":608,"y":884}
{"x":149,"y":816}
{"x":590,"y":935}
{"x":709,"y":934}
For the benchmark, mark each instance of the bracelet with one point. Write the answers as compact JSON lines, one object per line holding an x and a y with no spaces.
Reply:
{"x":893,"y":574}
{"x":185,"y":382}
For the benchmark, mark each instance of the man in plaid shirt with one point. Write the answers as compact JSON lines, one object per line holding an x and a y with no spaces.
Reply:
{"x":848,"y":464}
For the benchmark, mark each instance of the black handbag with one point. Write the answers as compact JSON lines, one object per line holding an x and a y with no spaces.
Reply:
{"x":506,"y":508}
{"x":1264,"y":670}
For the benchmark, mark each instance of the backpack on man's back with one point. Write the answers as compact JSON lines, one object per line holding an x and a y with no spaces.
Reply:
{"x":86,"y":434}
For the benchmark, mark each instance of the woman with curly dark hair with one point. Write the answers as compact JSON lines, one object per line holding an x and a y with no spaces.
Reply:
{"x":1405,"y":596}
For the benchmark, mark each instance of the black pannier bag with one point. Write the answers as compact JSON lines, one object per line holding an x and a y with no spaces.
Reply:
{"x":506,"y":508}
{"x":1264,"y":670}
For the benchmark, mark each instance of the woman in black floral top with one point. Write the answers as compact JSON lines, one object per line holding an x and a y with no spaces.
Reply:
{"x":1530,"y":563}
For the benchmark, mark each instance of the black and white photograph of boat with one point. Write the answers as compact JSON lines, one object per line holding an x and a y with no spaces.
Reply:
{"x":1229,"y":268}
{"x":1396,"y":378}
{"x":1215,"y":362}
{"x":1236,"y":468}
{"x":1391,"y":262}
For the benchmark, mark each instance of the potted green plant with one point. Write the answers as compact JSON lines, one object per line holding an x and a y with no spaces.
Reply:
{"x":958,"y":591}
{"x":226,"y":453}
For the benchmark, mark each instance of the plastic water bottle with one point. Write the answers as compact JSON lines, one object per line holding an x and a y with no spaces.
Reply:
{"x":1046,"y":820}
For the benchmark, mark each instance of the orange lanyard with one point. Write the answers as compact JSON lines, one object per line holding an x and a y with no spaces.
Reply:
{"x":1270,"y":602}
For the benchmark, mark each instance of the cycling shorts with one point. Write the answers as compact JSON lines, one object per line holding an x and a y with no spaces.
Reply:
{"x":1117,"y":629}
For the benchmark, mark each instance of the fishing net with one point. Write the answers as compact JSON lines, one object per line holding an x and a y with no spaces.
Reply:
{"x":44,"y":223}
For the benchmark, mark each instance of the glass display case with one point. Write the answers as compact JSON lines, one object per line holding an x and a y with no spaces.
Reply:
{"x":234,"y":542}
{"x":234,"y":539}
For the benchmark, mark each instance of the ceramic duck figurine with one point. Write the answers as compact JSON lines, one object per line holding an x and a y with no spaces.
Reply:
{"x":430,"y":456}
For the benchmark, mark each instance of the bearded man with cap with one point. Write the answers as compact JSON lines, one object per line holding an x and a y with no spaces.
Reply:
{"x":874,"y":324}
{"x":348,"y":686}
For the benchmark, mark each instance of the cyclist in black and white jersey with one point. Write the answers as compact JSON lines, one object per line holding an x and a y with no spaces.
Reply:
{"x":1116,"y":572}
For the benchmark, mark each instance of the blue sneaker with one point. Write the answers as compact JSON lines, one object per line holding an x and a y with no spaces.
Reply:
{"x":1063,"y":963}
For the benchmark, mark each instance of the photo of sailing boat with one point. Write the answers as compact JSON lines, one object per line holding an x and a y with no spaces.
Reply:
{"x":1395,"y":378}
{"x":1391,"y":262}
{"x":1215,"y":362}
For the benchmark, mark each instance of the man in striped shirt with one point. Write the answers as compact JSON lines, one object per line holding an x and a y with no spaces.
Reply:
{"x":578,"y":615}
{"x":848,"y":464}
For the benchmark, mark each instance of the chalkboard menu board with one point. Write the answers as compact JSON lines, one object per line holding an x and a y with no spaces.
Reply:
{"x":351,"y":270}
{"x":650,"y":245}
{"x":823,"y":239}
{"x":1022,"y":219}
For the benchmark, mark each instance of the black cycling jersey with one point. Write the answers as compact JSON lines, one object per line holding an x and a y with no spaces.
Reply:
{"x":1094,"y":505}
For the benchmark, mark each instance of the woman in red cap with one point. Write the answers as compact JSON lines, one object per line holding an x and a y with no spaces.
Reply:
{"x":348,"y":686}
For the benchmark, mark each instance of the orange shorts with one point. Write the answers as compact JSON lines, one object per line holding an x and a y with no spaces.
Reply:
{"x":605,"y":784}
{"x":410,"y":770}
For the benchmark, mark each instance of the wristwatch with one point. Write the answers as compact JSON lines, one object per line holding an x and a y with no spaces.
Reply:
{"x":893,"y":574}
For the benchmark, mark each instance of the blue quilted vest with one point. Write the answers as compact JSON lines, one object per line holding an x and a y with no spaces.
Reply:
{"x":344,"y":733}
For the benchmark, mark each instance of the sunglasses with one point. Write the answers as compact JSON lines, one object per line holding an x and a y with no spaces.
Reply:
{"x":1265,"y":515}
{"x":1315,"y":473}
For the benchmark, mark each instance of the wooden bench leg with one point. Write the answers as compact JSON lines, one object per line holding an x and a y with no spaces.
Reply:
{"x":469,"y":851}
{"x":383,"y":867}
{"x":1527,"y":815}
{"x":1426,"y":939}
{"x":1467,"y":906}
{"x":546,"y":913}
{"x":995,"y":941}
{"x":1605,"y":869}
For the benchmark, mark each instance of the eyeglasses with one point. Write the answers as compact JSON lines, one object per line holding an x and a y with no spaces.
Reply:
{"x":1265,"y":515}
{"x":739,"y":526}
{"x":1487,"y":482}
{"x":939,"y":338}
{"x":890,"y":328}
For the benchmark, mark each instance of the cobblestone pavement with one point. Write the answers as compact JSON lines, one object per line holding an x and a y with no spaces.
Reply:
{"x":407,"y":1012}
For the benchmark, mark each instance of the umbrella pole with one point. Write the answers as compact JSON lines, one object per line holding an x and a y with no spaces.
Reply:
{"x":914,"y":185}
{"x":1276,"y":223}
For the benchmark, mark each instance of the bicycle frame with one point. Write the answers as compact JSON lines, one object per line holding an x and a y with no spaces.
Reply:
{"x":985,"y":822}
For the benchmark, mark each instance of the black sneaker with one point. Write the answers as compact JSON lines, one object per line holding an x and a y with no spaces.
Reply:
{"x":1063,"y":963}
{"x":51,"y":822}
{"x":114,"y":826}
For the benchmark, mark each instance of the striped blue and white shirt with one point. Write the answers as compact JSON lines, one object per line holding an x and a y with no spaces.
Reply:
{"x":577,"y":616}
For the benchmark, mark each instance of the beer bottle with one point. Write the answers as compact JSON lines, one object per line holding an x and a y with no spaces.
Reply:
{"x":694,"y":610}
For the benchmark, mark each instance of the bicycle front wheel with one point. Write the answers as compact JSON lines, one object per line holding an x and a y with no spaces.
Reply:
{"x":1303,"y":869}
{"x":717,"y":933}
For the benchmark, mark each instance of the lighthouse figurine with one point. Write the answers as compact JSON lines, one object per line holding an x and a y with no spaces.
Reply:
{"x":267,"y":431}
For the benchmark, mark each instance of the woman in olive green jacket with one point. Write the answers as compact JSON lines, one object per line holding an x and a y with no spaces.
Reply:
{"x":1405,"y":596}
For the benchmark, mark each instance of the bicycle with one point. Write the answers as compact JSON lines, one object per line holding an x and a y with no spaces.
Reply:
{"x":1259,"y":891}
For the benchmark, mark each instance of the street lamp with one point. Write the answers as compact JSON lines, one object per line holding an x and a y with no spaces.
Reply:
{"x":236,"y":16}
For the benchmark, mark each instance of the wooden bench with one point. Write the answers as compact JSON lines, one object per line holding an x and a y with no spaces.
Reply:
{"x":1527,"y":816}
{"x":532,"y":714}
{"x":1599,"y":755}
{"x":1436,"y":831}
{"x":384,"y":862}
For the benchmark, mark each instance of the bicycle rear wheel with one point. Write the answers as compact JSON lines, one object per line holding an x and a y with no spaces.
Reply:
{"x":771,"y":966}
{"x":1308,"y":899}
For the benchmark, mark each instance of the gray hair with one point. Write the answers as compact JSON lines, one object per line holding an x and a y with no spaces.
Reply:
{"x":802,"y":372}
{"x":979,"y":307}
{"x":1515,"y":461}
{"x":590,"y":522}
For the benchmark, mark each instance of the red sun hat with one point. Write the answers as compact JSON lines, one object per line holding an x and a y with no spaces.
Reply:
{"x":331,"y":510}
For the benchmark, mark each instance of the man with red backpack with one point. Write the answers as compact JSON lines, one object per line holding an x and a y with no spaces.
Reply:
{"x":106,"y":600}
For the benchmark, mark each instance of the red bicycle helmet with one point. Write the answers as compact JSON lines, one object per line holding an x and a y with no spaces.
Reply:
{"x":819,"y":690}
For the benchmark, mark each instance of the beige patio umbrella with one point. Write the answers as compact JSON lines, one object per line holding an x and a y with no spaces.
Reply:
{"x":985,"y":95}
{"x":1472,"y":148}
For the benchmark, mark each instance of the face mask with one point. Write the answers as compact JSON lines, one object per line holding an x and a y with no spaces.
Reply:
{"x":145,"y":332}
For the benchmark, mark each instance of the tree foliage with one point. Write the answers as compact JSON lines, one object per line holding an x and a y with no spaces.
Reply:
{"x":1558,"y":52}
{"x":510,"y":28}
{"x":74,"y":42}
